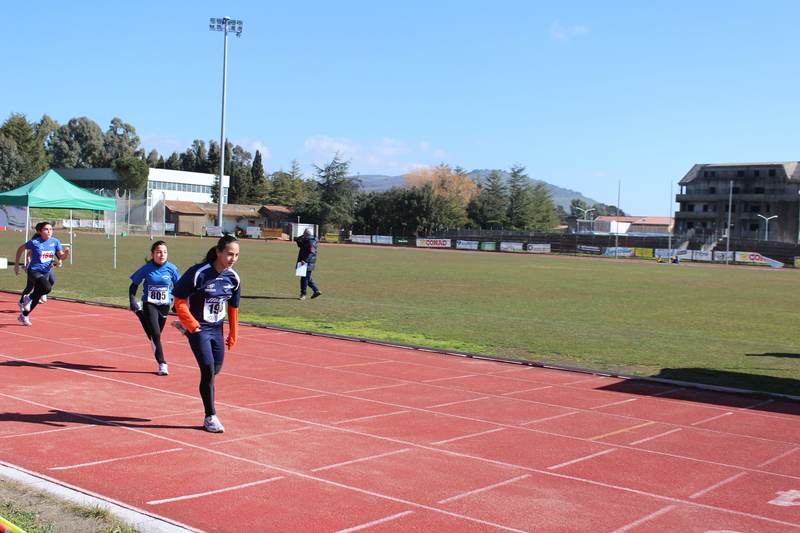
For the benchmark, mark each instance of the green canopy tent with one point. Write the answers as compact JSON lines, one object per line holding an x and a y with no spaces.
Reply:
{"x":51,"y":190}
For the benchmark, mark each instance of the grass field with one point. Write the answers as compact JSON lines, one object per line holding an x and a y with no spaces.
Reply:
{"x":728,"y":326}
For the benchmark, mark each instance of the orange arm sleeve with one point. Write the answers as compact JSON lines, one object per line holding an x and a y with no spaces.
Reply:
{"x":185,"y":316}
{"x":233,"y":322}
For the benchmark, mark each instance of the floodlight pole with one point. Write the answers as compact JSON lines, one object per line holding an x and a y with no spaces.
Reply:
{"x":766,"y":228}
{"x":225,"y":24}
{"x":585,"y":211}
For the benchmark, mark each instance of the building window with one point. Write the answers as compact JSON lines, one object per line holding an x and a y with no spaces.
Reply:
{"x":705,"y":173}
{"x":713,"y":174}
{"x":735,"y":190}
{"x":771,"y":173}
{"x":740,"y":173}
{"x":690,"y":207}
{"x":759,"y":190}
{"x":767,"y":208}
{"x":755,"y":208}
{"x":689,"y":225}
{"x":753,"y":227}
{"x":712,"y":190}
{"x":705,"y":225}
{"x":756,"y":173}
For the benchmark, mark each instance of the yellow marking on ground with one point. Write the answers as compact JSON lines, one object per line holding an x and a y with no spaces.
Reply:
{"x":622,"y":431}
{"x":360,"y":364}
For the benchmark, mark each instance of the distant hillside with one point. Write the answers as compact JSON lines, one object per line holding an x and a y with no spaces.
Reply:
{"x":562,"y":197}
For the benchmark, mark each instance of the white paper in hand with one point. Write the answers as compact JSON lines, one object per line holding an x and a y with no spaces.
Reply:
{"x":301,"y":269}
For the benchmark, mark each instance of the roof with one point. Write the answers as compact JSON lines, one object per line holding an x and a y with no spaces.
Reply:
{"x":186,"y":208}
{"x":650,"y":221}
{"x":51,"y":190}
{"x":279,"y":210}
{"x":792,"y":169}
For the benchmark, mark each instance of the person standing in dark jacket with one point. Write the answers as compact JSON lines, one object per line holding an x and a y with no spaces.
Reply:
{"x":307,"y":256}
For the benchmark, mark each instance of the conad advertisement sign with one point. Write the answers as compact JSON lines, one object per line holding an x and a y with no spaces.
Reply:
{"x":752,"y":257}
{"x":433,"y":243}
{"x":539,"y":248}
{"x":467,"y":245}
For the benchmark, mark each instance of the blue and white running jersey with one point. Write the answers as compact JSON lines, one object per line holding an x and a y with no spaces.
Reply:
{"x":158,"y":282}
{"x":209,"y":292}
{"x":43,"y":253}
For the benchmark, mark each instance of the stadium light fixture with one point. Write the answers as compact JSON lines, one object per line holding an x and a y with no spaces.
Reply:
{"x":585,"y":211}
{"x":225,"y":25}
{"x":766,"y":227}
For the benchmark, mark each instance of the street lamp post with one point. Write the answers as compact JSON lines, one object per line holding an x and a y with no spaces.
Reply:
{"x":225,"y":24}
{"x":766,"y":226}
{"x":585,"y":212}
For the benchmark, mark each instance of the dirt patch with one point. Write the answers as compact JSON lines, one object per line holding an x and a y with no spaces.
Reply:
{"x":53,"y":515}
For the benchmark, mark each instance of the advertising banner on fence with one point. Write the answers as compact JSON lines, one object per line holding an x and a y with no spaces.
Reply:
{"x":361,"y":239}
{"x":511,"y":247}
{"x":752,"y":257}
{"x":539,"y":248}
{"x":433,"y":243}
{"x":253,"y":231}
{"x":488,"y":246}
{"x":13,"y":217}
{"x":331,"y":237}
{"x":382,"y":239}
{"x":702,"y":255}
{"x":664,"y":252}
{"x":467,"y":245}
{"x":723,"y":256}
{"x":589,"y":249}
{"x":618,"y":251}
{"x":272,"y":233}
{"x":643,"y":252}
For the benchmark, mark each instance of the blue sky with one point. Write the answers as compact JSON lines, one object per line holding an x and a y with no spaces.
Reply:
{"x":588,"y":95}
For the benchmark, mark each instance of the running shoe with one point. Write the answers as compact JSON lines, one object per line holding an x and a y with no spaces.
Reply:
{"x":25,"y":304}
{"x":163,"y":369}
{"x":302,"y":297}
{"x":213,"y":425}
{"x":43,"y":298}
{"x":25,"y":320}
{"x":316,"y":294}
{"x":177,"y":325}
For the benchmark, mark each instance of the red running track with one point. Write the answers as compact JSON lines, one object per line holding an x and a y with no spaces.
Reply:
{"x":328,"y":435}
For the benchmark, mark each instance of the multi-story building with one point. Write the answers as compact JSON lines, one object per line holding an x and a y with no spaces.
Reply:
{"x":761,"y":198}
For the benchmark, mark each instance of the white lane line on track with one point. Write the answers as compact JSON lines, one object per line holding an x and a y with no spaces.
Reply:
{"x":644,"y":519}
{"x":634,"y":443}
{"x":716,"y":485}
{"x":123,"y":458}
{"x":781,"y":456}
{"x":710,"y":419}
{"x":226,"y":489}
{"x":581,"y":459}
{"x":484,"y":489}
{"x":375,"y":522}
{"x":458,"y":402}
{"x":467,"y":436}
{"x":361,"y":459}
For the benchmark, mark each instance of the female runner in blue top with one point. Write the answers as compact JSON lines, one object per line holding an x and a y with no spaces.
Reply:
{"x":202,"y":296}
{"x":44,"y":249}
{"x":159,"y":275}
{"x":24,"y":302}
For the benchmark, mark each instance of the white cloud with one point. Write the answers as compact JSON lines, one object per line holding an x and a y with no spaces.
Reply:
{"x":164,"y":144}
{"x":251,"y":146}
{"x":557,"y":31}
{"x":381,"y":156}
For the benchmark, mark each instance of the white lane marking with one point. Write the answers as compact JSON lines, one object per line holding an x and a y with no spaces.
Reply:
{"x":483,"y":489}
{"x":468,"y":436}
{"x":458,"y":402}
{"x":644,"y":519}
{"x":375,"y":522}
{"x":656,"y":436}
{"x":781,"y":456}
{"x":226,"y":489}
{"x":710,"y":419}
{"x":361,"y":459}
{"x":717,"y":485}
{"x":581,"y":459}
{"x":123,"y":458}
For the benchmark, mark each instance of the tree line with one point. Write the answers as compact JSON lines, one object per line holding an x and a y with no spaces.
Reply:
{"x":434,"y":197}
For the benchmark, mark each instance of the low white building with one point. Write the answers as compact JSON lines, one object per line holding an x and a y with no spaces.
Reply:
{"x":162,"y":184}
